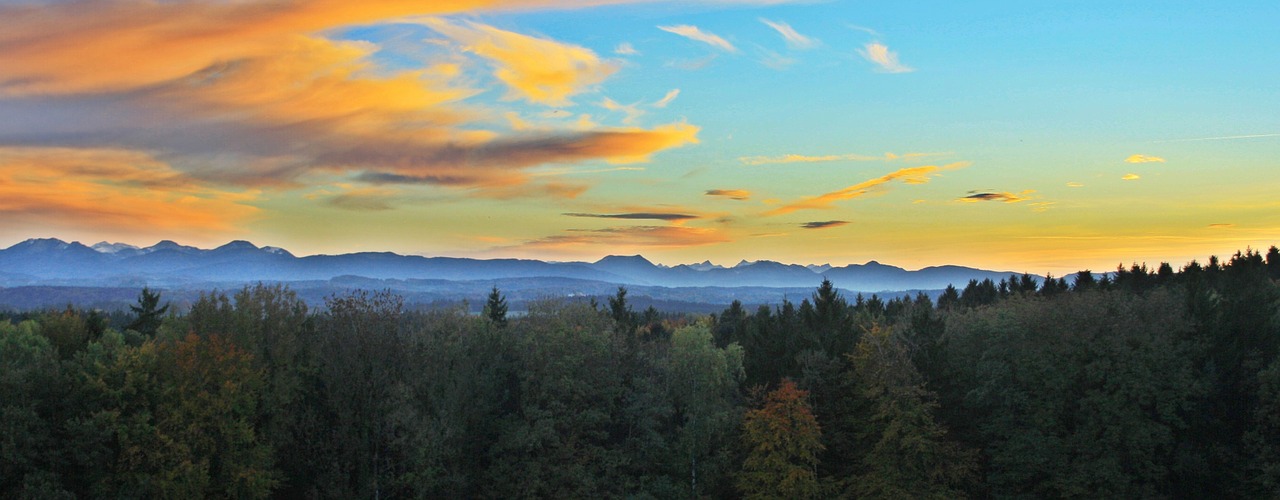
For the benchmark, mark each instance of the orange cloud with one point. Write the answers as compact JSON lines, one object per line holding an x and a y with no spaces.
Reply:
{"x":536,"y":69}
{"x":732,"y":194}
{"x":1130,"y":177}
{"x":111,"y":191}
{"x":249,"y":94}
{"x":1144,"y":159}
{"x":911,"y":175}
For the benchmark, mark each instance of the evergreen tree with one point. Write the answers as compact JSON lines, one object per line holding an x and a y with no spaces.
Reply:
{"x":496,"y":308}
{"x":148,"y":313}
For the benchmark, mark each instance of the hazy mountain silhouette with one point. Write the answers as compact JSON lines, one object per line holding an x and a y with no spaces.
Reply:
{"x":56,"y":262}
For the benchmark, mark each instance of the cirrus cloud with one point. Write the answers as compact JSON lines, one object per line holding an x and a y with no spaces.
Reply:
{"x":910,"y":175}
{"x":694,"y":33}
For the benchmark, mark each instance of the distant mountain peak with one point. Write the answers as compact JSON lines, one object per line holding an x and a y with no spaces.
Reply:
{"x":237,"y":245}
{"x":112,"y":248}
{"x":277,"y":251}
{"x":632,"y":259}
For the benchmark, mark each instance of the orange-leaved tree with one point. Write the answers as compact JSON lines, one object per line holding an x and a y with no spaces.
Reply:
{"x":783,"y":441}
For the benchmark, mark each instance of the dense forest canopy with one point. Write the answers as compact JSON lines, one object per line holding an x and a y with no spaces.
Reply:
{"x":1138,"y":383}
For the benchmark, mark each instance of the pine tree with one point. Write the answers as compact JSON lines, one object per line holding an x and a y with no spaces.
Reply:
{"x":149,"y":313}
{"x":496,"y":308}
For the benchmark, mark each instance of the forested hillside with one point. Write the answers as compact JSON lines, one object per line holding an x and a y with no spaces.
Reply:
{"x":1144,"y":383}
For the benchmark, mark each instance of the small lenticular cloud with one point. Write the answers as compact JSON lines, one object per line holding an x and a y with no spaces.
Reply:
{"x":823,"y":224}
{"x":1130,"y":177}
{"x":732,"y":194}
{"x":1144,"y":159}
{"x":1005,"y":197}
{"x":1074,"y":184}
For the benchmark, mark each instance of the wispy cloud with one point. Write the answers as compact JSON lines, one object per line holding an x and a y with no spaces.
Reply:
{"x":823,"y":224}
{"x":798,"y":158}
{"x":1003,"y":197}
{"x":1219,"y":138}
{"x":615,"y":239}
{"x":1130,"y":177}
{"x":666,"y":99}
{"x":1143,"y":159}
{"x":1075,"y":184}
{"x":886,"y":59}
{"x":630,"y":111}
{"x":694,"y":33}
{"x":864,"y":29}
{"x":638,"y":216}
{"x":732,"y":194}
{"x":625,"y":49}
{"x":910,"y":175}
{"x":1222,"y":225}
{"x":366,"y":199}
{"x":793,"y":38}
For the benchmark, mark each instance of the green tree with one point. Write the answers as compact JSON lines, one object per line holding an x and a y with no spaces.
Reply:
{"x":496,"y":308}
{"x":783,"y":442}
{"x":904,"y":452}
{"x":148,"y":313}
{"x":703,"y":381}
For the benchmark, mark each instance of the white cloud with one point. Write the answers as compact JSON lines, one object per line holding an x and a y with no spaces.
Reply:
{"x":666,"y":99}
{"x":880,"y":54}
{"x":794,"y":39}
{"x":625,"y":49}
{"x":693,"y":33}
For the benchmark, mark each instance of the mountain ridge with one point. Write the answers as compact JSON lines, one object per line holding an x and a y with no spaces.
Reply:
{"x":167,"y":263}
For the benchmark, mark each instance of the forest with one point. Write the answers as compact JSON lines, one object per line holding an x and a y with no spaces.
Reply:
{"x":1141,"y":383}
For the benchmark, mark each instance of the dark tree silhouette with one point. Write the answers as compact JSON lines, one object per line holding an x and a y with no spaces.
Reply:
{"x":496,"y":308}
{"x":149,"y":313}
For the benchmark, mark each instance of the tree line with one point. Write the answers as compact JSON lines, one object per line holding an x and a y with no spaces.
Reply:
{"x":1137,"y":383}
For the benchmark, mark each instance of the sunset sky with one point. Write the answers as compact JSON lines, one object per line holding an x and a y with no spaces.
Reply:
{"x":1007,"y":135}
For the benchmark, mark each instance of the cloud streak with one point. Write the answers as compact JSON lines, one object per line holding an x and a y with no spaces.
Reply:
{"x":732,"y":194}
{"x":823,"y":224}
{"x":1002,"y":197}
{"x":910,"y":175}
{"x":793,"y":38}
{"x":696,"y":34}
{"x":799,"y":158}
{"x":671,"y":217}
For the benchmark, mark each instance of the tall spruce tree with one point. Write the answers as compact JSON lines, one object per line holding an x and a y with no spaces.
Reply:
{"x":149,"y":313}
{"x":496,"y":308}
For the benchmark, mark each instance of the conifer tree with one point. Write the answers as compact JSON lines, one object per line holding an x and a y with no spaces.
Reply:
{"x":149,"y":313}
{"x":496,"y":308}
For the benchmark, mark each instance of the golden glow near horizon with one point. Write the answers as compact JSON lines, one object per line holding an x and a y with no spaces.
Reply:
{"x":1033,"y":140}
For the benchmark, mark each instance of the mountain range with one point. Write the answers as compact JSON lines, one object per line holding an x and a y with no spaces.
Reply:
{"x":169,"y":264}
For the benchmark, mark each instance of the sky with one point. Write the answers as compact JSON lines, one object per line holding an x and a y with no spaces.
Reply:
{"x":1023,"y":136}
